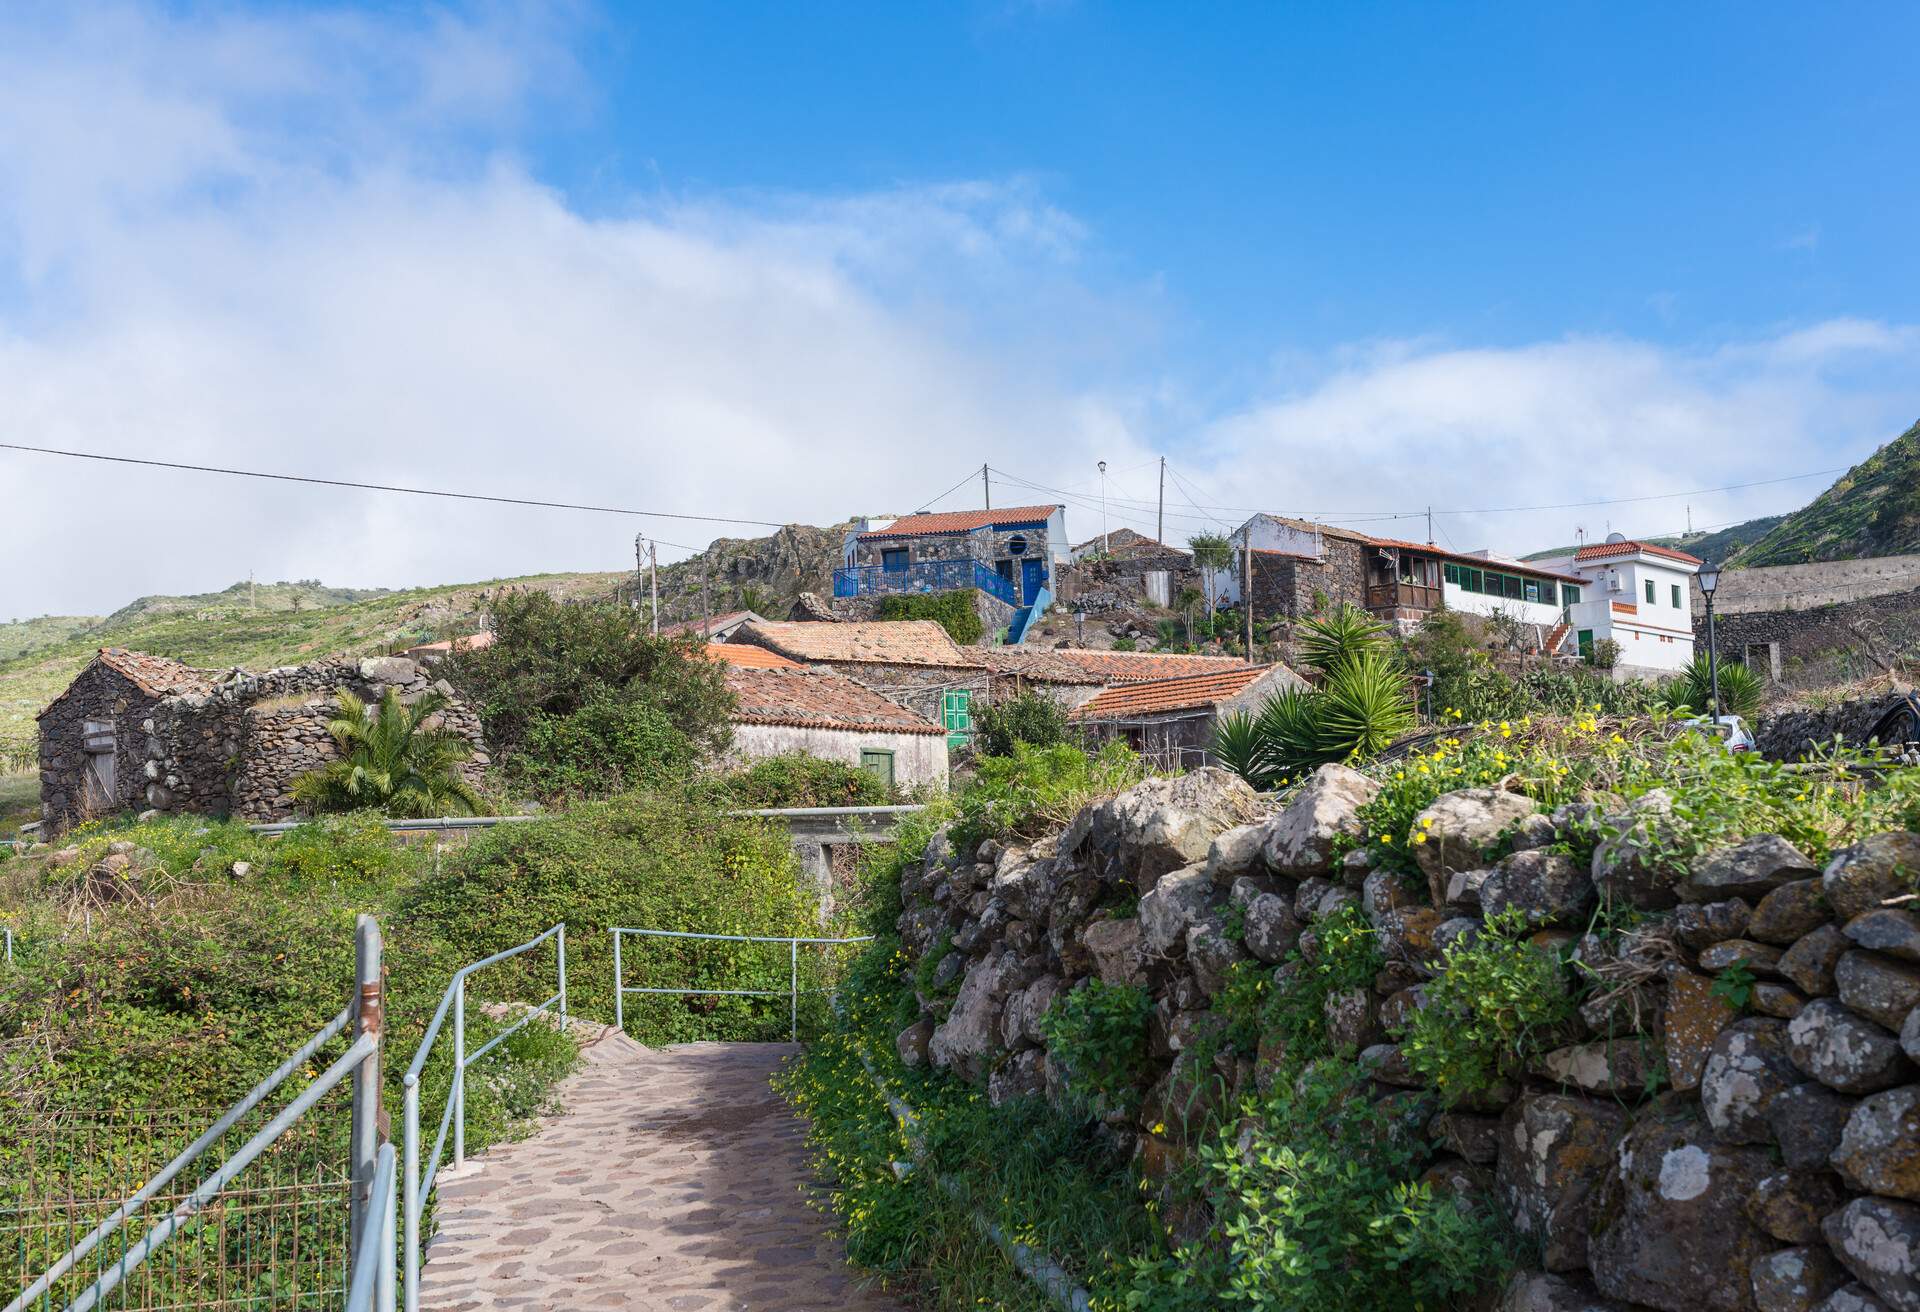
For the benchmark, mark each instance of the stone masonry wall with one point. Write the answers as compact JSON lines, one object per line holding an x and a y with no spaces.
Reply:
{"x":1666,"y":1151}
{"x":1812,"y":642}
{"x":100,"y":694}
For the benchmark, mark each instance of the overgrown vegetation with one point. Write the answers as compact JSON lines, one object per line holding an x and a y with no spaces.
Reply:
{"x":1691,"y":691}
{"x":1497,"y":1002}
{"x":391,"y":761}
{"x":952,"y":611}
{"x":1036,"y":788}
{"x":1098,"y":1033}
{"x":799,"y":780}
{"x":1030,"y":718}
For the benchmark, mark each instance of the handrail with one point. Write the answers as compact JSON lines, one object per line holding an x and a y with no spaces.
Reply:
{"x":370,"y":1282}
{"x":416,"y":1182}
{"x":620,"y":990}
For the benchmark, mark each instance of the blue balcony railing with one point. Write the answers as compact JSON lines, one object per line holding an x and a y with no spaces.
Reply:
{"x":922,"y":576}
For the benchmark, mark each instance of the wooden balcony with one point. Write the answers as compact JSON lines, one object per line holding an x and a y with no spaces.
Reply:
{"x":1391,"y":597}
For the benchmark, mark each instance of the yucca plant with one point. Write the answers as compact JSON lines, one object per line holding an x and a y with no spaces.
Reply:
{"x":1290,"y":726}
{"x":1347,"y":632}
{"x":1741,"y":690}
{"x":391,"y":761}
{"x":1239,"y":745}
{"x":1363,"y":706}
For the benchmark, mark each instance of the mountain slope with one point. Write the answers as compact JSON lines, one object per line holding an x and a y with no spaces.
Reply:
{"x":1872,"y":510}
{"x":1720,"y":545}
{"x":757,"y":574}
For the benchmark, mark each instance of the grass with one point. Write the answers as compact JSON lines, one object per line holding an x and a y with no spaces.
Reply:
{"x":19,"y":801}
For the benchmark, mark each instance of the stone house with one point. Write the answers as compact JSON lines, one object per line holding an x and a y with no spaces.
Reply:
{"x":1013,"y":554}
{"x":1171,"y":721}
{"x":135,"y":732}
{"x":912,"y":662}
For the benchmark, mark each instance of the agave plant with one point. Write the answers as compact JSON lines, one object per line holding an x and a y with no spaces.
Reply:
{"x":1239,"y":745}
{"x":390,"y":760}
{"x":1741,"y":690}
{"x":1363,"y":706}
{"x":1348,"y":632}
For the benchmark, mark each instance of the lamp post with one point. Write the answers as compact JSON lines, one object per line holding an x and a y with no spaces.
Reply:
{"x":1709,"y":580}
{"x":1106,"y":547}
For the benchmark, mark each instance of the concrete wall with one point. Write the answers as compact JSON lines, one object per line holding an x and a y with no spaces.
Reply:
{"x":1803,"y":587}
{"x":918,"y":758}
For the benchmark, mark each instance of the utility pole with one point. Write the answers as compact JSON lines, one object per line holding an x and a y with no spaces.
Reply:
{"x":1429,"y":525}
{"x":1160,"y":524}
{"x":1106,"y":547}
{"x":1246,"y":591}
{"x":986,"y":487}
{"x":653,"y":569}
{"x":639,"y":564}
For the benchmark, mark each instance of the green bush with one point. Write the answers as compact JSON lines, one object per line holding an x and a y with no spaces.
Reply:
{"x":1036,"y":788}
{"x":1741,"y":690}
{"x":1326,"y":642}
{"x":613,"y":743}
{"x":952,"y":611}
{"x":389,"y":760}
{"x":1030,"y":718}
{"x":1098,"y":1033}
{"x":800,"y":780}
{"x":1362,"y":705}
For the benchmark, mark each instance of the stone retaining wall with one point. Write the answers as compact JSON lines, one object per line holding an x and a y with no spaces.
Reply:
{"x":1667,"y":1151}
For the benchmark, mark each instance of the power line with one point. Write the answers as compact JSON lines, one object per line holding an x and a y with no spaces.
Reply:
{"x":388,"y":487}
{"x":949,"y":492}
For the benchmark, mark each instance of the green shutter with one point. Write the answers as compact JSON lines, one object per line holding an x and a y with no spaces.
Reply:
{"x":956,"y":715}
{"x":879,"y":763}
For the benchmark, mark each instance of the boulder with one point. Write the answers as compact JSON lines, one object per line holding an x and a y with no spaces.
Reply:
{"x":1844,"y":1051}
{"x":1880,"y":988}
{"x":1176,"y":904}
{"x":1537,"y":1291}
{"x":1789,"y":913}
{"x":1777,"y":1000}
{"x":1554,"y":1152}
{"x":1211,"y":954}
{"x":1407,"y":934}
{"x":1024,"y":1075}
{"x":1861,"y":877}
{"x":1750,"y":869}
{"x":1760,"y":958}
{"x":1462,"y":828}
{"x":1809,"y":963}
{"x":1889,"y":930}
{"x":912,"y":1043}
{"x":1549,"y":889}
{"x":1352,"y":1023}
{"x":1879,"y":1150}
{"x":1236,"y":852}
{"x":1695,"y":1016}
{"x":1629,"y":866}
{"x":970,"y":1036}
{"x":1698,"y":925}
{"x":1300,"y":839}
{"x":1910,"y":1036}
{"x":1020,"y":1024}
{"x":1476,"y":1138}
{"x":1795,"y":1279}
{"x":1159,"y":826}
{"x":1854,"y":1298}
{"x":1670,"y":1228}
{"x":1808,"y":1122}
{"x":1387,"y":890}
{"x":396,"y":670}
{"x":1790,"y":1204}
{"x":1270,"y":927}
{"x":1746,"y":1070}
{"x":1308,"y":895}
{"x":1611,"y":1067}
{"x":1878,"y":1240}
{"x":1114,"y":946}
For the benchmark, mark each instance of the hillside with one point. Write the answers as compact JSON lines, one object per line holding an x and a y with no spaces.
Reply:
{"x":1872,"y":510}
{"x":757,"y":574}
{"x":1722,"y":545}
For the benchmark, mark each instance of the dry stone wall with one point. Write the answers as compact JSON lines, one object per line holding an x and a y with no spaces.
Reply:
{"x":1667,"y":1151}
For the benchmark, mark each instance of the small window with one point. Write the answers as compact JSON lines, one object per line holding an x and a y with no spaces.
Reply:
{"x":1017,"y":545}
{"x":1533,"y":590}
{"x":894,"y":560}
{"x":1676,"y":596}
{"x":1512,"y":586}
{"x":1451,"y":573}
{"x":1650,"y":600}
{"x":1470,"y":579}
{"x":879,"y":763}
{"x":1569,"y":595}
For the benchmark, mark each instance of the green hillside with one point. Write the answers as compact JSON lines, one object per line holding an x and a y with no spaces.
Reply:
{"x":1721,"y":545}
{"x":1873,"y":510}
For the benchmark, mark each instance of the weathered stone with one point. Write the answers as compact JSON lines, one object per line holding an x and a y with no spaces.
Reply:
{"x":1807,"y":1122}
{"x":1396,"y":1013}
{"x":1776,"y":1000}
{"x":388,"y":669}
{"x":1332,"y":901}
{"x":1910,"y":1036}
{"x":1795,"y":1279}
{"x":1300,"y":839}
{"x":1861,"y":877}
{"x":1879,"y":988}
{"x":1853,"y":1298}
{"x":970,"y":1035}
{"x":1020,"y":1024}
{"x":1746,"y":1070}
{"x":1694,"y":1018}
{"x":1307,"y":895}
{"x":1350,"y":1018}
{"x":1698,"y":925}
{"x":1463,"y":890}
{"x":1670,"y":1225}
{"x":1789,"y":1204}
{"x":1454,"y":931}
{"x":1750,"y":869}
{"x":1211,"y":954}
{"x":1629,"y":866}
{"x":1407,"y":934}
{"x":1387,"y":890}
{"x":1554,"y":1152}
{"x":1158,"y":826}
{"x":1236,"y":852}
{"x":1175,"y":904}
{"x":1271,"y":928}
{"x":1535,"y":1291}
{"x":1462,"y":828}
{"x":1114,"y":946}
{"x":1789,"y":913}
{"x":912,"y":1043}
{"x":1387,"y":1063}
{"x":1879,"y":1241}
{"x":1024,"y":1075}
{"x":1476,"y":1138}
{"x":1613,"y":1067}
{"x":1353,"y":868}
{"x":1889,"y":930}
{"x":1879,"y":1151}
{"x":1760,"y":958}
{"x":1549,"y":889}
{"x":1533,"y":831}
{"x":1809,"y":963}
{"x":1844,"y":1051}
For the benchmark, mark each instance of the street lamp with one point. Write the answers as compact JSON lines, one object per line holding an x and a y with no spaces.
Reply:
{"x":1106,"y":547}
{"x":1709,"y":579}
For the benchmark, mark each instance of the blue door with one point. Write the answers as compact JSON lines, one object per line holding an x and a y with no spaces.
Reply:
{"x":1033,"y":577}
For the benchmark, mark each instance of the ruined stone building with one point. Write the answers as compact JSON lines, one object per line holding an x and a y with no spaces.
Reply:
{"x":135,"y":732}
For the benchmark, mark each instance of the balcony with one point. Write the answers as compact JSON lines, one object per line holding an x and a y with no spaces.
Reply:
{"x":922,"y":576}
{"x":1402,"y":596}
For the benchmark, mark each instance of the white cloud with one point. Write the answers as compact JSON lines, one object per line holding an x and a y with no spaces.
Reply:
{"x":274,"y":243}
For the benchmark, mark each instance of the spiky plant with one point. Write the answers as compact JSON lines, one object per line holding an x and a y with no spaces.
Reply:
{"x":391,"y":761}
{"x":1363,"y":707}
{"x":1326,"y":643}
{"x":1239,"y":745}
{"x":1741,"y":690}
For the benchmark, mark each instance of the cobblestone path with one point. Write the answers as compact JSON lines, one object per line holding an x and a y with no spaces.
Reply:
{"x":671,"y":1180}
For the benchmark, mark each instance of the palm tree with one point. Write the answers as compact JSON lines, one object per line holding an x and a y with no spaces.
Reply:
{"x":391,"y":760}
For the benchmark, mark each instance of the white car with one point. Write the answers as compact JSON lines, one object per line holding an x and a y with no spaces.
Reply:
{"x":1730,"y":729}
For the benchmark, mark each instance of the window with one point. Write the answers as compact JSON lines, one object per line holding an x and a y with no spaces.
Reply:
{"x":1569,"y":595}
{"x":1650,"y":600}
{"x":1470,"y":579}
{"x":1533,"y":590}
{"x":956,"y":715}
{"x":1513,"y":587}
{"x":1017,"y":545}
{"x":894,"y":560}
{"x":1451,"y":573}
{"x":1676,"y":596}
{"x":879,"y":762}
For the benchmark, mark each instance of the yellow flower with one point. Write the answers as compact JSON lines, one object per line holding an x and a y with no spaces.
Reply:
{"x":1426,"y":822}
{"x":1419,"y":838}
{"x":1387,"y":839}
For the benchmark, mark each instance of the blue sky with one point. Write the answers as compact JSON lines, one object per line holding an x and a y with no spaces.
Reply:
{"x":785,"y":262}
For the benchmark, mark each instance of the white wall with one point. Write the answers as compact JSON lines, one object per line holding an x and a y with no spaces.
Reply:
{"x":918,"y":758}
{"x":1477,"y":603}
{"x":1657,"y":637}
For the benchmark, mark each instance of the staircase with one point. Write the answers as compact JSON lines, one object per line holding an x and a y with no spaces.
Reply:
{"x":1024,"y":617}
{"x":1556,"y":639}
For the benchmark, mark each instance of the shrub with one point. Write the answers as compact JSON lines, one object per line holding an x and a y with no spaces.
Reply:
{"x":800,"y":780}
{"x":391,"y":762}
{"x":1098,"y":1033}
{"x":1295,"y":1013}
{"x":1035,"y":788}
{"x":613,"y":742}
{"x":1603,"y":654}
{"x":1124,"y":644}
{"x":1741,"y":690}
{"x":1362,"y":706}
{"x":1327,"y":642}
{"x":1031,"y":718}
{"x":952,"y":611}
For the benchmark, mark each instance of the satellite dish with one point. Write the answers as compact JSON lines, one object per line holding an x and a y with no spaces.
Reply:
{"x":1616,"y":537}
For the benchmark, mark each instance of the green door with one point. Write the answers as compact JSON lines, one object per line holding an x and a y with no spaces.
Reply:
{"x":1585,"y":639}
{"x":956,"y":716}
{"x":880,"y":763}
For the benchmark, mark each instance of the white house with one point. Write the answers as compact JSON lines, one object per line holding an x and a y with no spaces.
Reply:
{"x":1638,"y":595}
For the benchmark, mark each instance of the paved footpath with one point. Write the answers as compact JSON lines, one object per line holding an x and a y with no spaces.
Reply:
{"x":670,"y":1181}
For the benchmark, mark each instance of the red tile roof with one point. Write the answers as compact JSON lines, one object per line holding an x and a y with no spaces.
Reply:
{"x":878,"y":642}
{"x":1478,"y":562}
{"x":471,"y":642}
{"x":1193,"y":692}
{"x":818,"y":699}
{"x":1140,"y":666}
{"x":960,"y":521}
{"x":744,"y":655}
{"x":1604,"y":550}
{"x":708,"y":625}
{"x":1038,"y":665}
{"x":157,"y":676}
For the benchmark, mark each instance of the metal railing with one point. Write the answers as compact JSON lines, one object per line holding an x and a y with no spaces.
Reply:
{"x":923,"y":576}
{"x":365,"y":1015}
{"x":418,"y":1181}
{"x":791,"y":993}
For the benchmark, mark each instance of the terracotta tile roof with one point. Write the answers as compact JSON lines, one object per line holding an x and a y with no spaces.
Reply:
{"x":157,"y":676}
{"x":1478,"y":562}
{"x":471,"y":642}
{"x":1039,"y":666}
{"x":960,"y":521}
{"x":743,"y":655}
{"x":710,"y":624}
{"x":1604,"y":550}
{"x":1140,"y":666}
{"x":1192,"y":692}
{"x":817,"y":699}
{"x":880,"y":642}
